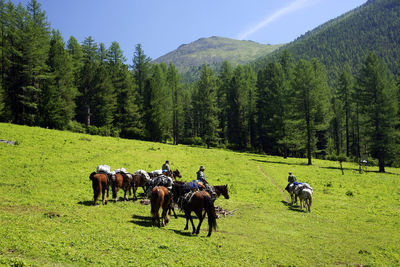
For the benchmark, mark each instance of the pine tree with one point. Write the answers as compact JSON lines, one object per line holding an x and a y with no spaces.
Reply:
{"x":76,"y":54}
{"x":58,"y":106}
{"x":87,"y":81}
{"x":155,"y":93}
{"x":378,"y":100}
{"x":344,"y":94}
{"x":224,"y":80}
{"x":173,"y":80}
{"x":35,"y":48}
{"x":127,"y":117}
{"x":205,"y":105}
{"x":141,"y":69}
{"x":237,"y":99}
{"x":270,"y":108}
{"x":310,"y":101}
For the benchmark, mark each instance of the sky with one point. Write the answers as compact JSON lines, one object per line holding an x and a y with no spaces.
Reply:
{"x":161,"y":26}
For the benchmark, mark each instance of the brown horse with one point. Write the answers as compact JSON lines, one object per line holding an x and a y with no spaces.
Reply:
{"x":121,"y":180}
{"x":160,"y":197}
{"x":140,"y":179}
{"x":221,"y":190}
{"x":100,"y":183}
{"x":199,"y":201}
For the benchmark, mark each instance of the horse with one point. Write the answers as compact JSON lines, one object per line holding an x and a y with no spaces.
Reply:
{"x":293,"y":197}
{"x":160,"y":197}
{"x":140,"y":179}
{"x":306,"y":199}
{"x":100,"y":183}
{"x":175,"y":174}
{"x":199,"y":201}
{"x":221,"y":190}
{"x":172,"y":174}
{"x":121,"y":180}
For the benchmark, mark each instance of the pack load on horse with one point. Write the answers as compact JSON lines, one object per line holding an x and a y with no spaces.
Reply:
{"x":161,"y":180}
{"x":121,"y":179}
{"x":140,"y":179}
{"x":101,"y":182}
{"x":155,"y":173}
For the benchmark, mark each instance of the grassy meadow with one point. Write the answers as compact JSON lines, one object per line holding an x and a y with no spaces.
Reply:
{"x":46,"y":216}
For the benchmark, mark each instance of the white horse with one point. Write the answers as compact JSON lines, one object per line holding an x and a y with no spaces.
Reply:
{"x":305,"y":196}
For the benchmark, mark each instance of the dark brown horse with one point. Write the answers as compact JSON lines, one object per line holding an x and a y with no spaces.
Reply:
{"x":121,"y":180}
{"x":221,"y":190}
{"x":100,"y":183}
{"x":175,"y":174}
{"x":160,"y":198}
{"x":199,"y":201}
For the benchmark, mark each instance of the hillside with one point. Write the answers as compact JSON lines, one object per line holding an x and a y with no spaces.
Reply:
{"x":47,"y":217}
{"x":374,"y":26}
{"x":188,"y":58}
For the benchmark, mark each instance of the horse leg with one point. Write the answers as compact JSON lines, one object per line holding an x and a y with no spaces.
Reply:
{"x":107,"y":190}
{"x":134,"y":192}
{"x":96,"y":193}
{"x":103,"y":192}
{"x":125,"y":198}
{"x":201,"y":217}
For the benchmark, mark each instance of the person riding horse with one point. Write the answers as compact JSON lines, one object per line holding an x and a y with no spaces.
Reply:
{"x":165,"y":168}
{"x":202,"y":178}
{"x":291,"y":179}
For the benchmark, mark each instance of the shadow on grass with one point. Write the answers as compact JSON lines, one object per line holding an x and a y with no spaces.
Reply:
{"x":183,"y":233}
{"x":86,"y":202}
{"x":279,"y":162}
{"x":292,"y":207}
{"x":144,"y":221}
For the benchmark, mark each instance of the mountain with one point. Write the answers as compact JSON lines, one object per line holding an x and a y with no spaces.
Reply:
{"x":189,"y":58}
{"x":372,"y":27}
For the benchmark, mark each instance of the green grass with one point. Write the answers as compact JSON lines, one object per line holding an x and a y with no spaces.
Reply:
{"x":46,"y":217}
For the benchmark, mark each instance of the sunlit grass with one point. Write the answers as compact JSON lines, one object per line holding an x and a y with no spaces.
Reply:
{"x":46,"y":217}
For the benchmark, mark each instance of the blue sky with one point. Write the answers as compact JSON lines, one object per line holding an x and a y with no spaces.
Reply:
{"x":162,"y":26}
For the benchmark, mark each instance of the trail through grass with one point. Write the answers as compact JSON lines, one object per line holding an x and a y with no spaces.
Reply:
{"x":46,"y":216}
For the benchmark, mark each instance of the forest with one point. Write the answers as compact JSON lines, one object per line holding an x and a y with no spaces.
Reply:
{"x":285,"y":108}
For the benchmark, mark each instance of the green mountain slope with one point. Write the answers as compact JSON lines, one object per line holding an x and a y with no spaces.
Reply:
{"x":374,"y":26}
{"x":188,"y":58}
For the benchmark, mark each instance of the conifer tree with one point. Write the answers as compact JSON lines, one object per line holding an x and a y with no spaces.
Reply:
{"x":205,"y":105}
{"x":224,"y":80}
{"x":173,"y":80}
{"x":344,"y":93}
{"x":270,"y":108}
{"x":58,"y":106}
{"x":378,"y":100}
{"x":87,"y":81}
{"x":237,"y":100}
{"x":309,"y":86}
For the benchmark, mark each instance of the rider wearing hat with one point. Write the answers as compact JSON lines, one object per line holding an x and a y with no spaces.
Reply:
{"x":202,"y":178}
{"x":165,"y":168}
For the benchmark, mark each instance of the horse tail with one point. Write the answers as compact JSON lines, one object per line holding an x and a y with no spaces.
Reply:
{"x":92,"y":175}
{"x":309,"y":206}
{"x":210,"y":209}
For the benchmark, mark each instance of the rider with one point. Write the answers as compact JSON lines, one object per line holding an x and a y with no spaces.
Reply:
{"x":165,"y":167}
{"x":202,"y":178}
{"x":291,"y":179}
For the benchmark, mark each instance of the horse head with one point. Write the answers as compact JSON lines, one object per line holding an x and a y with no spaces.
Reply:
{"x":224,"y":191}
{"x":176,"y":173}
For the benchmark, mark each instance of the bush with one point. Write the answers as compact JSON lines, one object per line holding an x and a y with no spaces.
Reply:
{"x":76,"y":127}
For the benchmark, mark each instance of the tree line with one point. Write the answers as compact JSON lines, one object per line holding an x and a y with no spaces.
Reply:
{"x":287,"y":108}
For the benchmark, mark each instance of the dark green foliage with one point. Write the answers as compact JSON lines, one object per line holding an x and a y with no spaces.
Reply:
{"x":348,"y":39}
{"x":378,"y":102}
{"x":205,"y":107}
{"x":58,"y":96}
